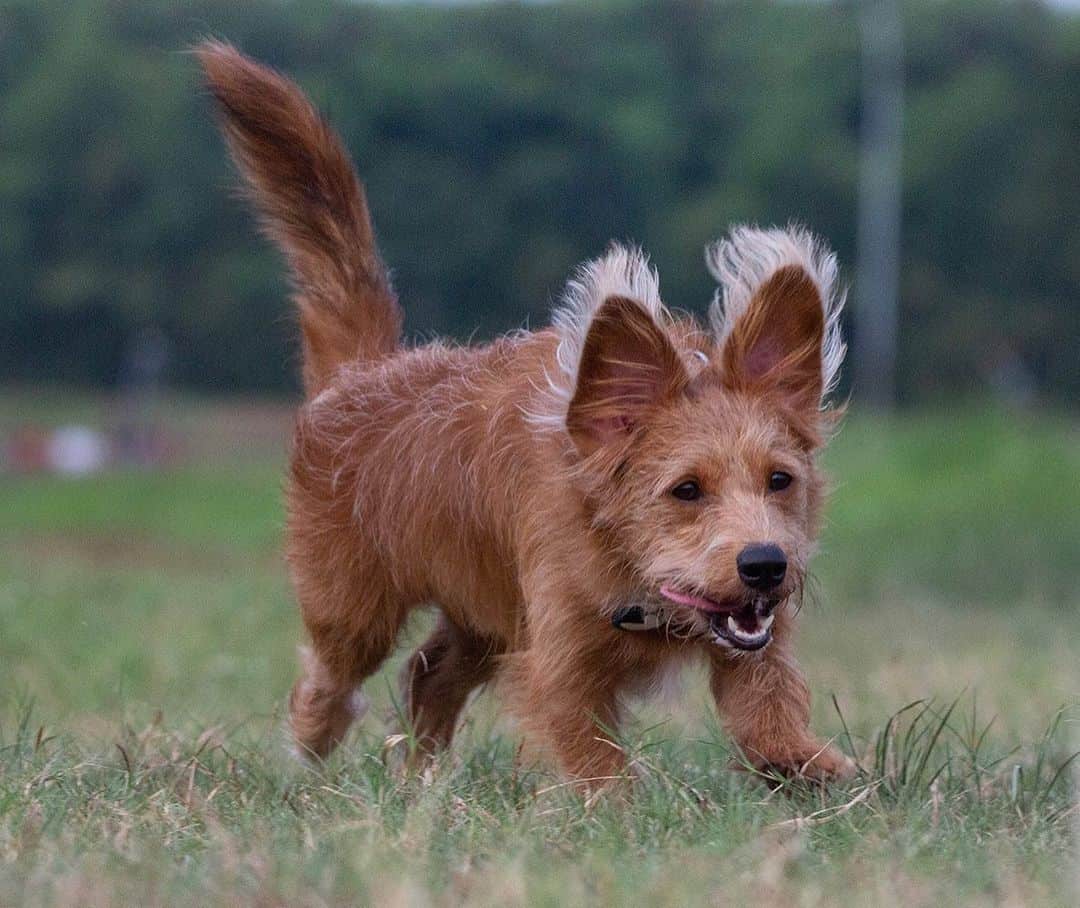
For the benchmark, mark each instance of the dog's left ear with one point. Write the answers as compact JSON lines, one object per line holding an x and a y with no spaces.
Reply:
{"x":778,"y":328}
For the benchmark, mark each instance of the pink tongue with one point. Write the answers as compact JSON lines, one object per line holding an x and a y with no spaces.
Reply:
{"x":698,"y":602}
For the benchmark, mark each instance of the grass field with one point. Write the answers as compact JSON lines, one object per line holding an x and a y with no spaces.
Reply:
{"x":147,"y":639}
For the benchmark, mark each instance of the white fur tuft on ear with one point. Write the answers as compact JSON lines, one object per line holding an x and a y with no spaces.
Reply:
{"x":749,"y":256}
{"x":621,"y":271}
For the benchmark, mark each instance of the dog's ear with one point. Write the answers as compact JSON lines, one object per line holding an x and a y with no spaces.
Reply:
{"x":628,"y":365}
{"x":779,"y":325}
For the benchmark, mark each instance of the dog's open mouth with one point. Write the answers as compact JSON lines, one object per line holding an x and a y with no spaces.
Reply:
{"x":739,"y":624}
{"x":745,"y":629}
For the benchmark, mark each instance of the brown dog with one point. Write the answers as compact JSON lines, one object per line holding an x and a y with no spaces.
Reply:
{"x":586,"y":504}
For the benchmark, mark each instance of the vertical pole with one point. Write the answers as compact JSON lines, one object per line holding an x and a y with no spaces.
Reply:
{"x":878,"y":253}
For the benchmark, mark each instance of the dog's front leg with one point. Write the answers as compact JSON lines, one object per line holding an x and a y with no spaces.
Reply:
{"x":764,"y":702}
{"x":570,"y":703}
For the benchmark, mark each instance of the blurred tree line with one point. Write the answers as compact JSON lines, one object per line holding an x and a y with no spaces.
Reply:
{"x":502,"y":144}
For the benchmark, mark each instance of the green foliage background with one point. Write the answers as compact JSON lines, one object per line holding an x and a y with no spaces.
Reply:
{"x":504,"y":143}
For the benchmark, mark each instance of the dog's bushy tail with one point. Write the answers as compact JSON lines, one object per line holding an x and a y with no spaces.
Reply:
{"x":312,"y":206}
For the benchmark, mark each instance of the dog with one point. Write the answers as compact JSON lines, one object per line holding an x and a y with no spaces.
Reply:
{"x":586,"y":505}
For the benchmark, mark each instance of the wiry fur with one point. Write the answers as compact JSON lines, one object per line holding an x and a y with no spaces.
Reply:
{"x":748,"y":256}
{"x":524,"y":487}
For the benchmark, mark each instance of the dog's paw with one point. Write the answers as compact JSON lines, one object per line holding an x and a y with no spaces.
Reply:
{"x":822,"y":765}
{"x":828,"y":765}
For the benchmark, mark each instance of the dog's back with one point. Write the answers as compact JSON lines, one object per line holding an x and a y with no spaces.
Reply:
{"x":420,"y":463}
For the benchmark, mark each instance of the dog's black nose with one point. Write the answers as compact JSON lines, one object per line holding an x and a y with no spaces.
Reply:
{"x":762,"y":565}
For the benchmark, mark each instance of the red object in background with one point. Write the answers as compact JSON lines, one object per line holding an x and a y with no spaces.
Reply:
{"x":26,"y":451}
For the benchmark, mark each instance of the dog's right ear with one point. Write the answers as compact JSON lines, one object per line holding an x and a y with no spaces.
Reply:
{"x":628,"y":365}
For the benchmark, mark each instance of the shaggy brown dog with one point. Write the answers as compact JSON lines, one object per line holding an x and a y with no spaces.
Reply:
{"x":551,"y":490}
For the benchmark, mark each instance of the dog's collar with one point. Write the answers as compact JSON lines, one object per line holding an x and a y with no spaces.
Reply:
{"x":647,"y":617}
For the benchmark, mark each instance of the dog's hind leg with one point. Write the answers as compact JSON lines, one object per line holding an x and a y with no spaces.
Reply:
{"x":326,"y":699}
{"x":438,"y":678}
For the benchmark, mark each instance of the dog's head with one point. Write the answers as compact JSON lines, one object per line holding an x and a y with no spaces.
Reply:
{"x":695,"y":449}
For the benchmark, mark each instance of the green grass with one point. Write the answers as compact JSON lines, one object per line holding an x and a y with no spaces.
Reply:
{"x":147,"y":639}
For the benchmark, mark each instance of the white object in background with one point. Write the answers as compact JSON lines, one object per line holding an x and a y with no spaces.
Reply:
{"x":77,"y":451}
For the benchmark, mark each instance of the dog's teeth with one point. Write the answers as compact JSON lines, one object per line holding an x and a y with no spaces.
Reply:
{"x":739,"y":634}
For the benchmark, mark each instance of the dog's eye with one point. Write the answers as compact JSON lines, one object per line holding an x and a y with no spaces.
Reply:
{"x":779,"y":481}
{"x":687,"y":491}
